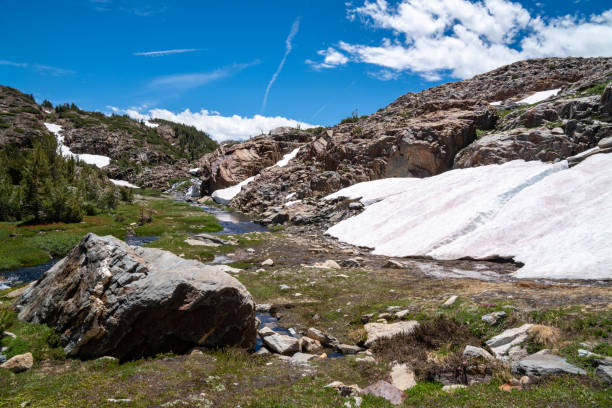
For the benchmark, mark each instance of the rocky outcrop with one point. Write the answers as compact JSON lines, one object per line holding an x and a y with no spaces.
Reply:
{"x":107,"y":298}
{"x":427,"y":133}
{"x":21,"y":119}
{"x":231,"y":164}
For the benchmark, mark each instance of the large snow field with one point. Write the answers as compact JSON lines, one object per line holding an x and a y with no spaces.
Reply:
{"x":556,"y":221}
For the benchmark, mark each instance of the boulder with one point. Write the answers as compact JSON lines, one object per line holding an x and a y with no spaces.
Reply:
{"x":349,"y":349}
{"x":302,"y":357}
{"x":605,"y":143}
{"x":19,"y":363}
{"x":387,"y":391}
{"x":545,"y":363}
{"x":279,"y":343}
{"x":472,"y":352}
{"x":207,"y":240}
{"x":324,"y":338}
{"x":310,"y":345}
{"x":107,"y":298}
{"x":378,"y":331}
{"x":606,"y":99}
{"x":267,"y":262}
{"x":451,"y":301}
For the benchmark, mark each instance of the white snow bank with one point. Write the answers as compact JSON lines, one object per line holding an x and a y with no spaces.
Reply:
{"x":287,"y":158}
{"x":370,"y":192}
{"x":539,"y":96}
{"x":553,"y":219}
{"x":496,"y":103}
{"x":123,"y":183}
{"x":97,"y":160}
{"x":225,"y":195}
{"x":151,"y":124}
{"x":290,"y":203}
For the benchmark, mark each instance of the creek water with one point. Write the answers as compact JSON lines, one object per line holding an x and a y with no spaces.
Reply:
{"x":233,"y":222}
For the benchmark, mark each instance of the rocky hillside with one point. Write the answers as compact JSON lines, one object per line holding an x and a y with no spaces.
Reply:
{"x":148,"y":154}
{"x":461,"y":124}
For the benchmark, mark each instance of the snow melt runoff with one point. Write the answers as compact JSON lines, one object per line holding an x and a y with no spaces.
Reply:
{"x":555,"y":221}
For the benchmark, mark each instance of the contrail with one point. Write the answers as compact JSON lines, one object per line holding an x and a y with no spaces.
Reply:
{"x":294,"y":29}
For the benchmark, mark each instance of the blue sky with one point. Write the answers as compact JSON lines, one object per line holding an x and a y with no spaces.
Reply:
{"x":221,"y":57}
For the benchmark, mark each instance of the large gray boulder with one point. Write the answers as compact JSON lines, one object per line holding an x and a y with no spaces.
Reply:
{"x":545,"y":363}
{"x":107,"y":298}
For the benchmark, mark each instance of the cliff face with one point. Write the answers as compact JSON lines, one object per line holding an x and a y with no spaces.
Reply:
{"x":448,"y":126}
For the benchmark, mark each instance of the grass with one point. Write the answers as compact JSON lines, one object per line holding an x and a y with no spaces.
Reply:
{"x":595,"y":90}
{"x":33,"y":245}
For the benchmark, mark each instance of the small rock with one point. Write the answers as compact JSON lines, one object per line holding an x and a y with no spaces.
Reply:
{"x":471,"y":352}
{"x":329,"y":264}
{"x":310,"y":345}
{"x":119,"y":400}
{"x":367,"y":317}
{"x":545,"y":363}
{"x":284,"y":287}
{"x":302,"y":357}
{"x":351,"y":263}
{"x":250,"y":250}
{"x":9,"y":334}
{"x":366,"y":359}
{"x":524,"y":380}
{"x":263,"y":308}
{"x":387,"y":391}
{"x":493,"y":318}
{"x":108,"y":358}
{"x":262,"y":351}
{"x":356,"y":205}
{"x":453,"y":387}
{"x":349,"y":349}
{"x":19,"y":363}
{"x":501,"y":343}
{"x":393,"y":308}
{"x":450,"y":301}
{"x":394,"y":264}
{"x":324,"y":338}
{"x":402,"y":313}
{"x":344,"y":390}
{"x":260,"y":270}
{"x":279,"y":343}
{"x":384,"y":315}
{"x":605,"y":373}
{"x":605,"y":143}
{"x":402,"y":377}
{"x":25,"y":404}
{"x":267,"y":262}
{"x":356,"y":402}
{"x":377,"y":331}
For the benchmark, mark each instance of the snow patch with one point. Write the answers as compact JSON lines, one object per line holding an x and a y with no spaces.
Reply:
{"x":539,"y":96}
{"x":370,"y":192}
{"x":496,"y":103}
{"x":123,"y":183}
{"x":97,"y":160}
{"x":151,"y":124}
{"x":545,"y":216}
{"x":290,"y":203}
{"x":225,"y":195}
{"x":290,"y":196}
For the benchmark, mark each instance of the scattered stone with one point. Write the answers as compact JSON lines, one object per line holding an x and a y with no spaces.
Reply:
{"x":107,"y":298}
{"x":515,"y":353}
{"x":387,"y":391}
{"x":119,"y":400}
{"x":196,"y":352}
{"x":605,"y":373}
{"x":524,"y":380}
{"x":207,"y":240}
{"x":367,"y":317}
{"x":19,"y":363}
{"x":279,"y":343}
{"x":323,"y":338}
{"x":229,"y":269}
{"x":18,"y":292}
{"x":110,"y":359}
{"x":349,"y":349}
{"x":402,"y":377}
{"x":25,"y":404}
{"x":302,"y":357}
{"x":9,"y":334}
{"x":345,"y":390}
{"x":260,"y":270}
{"x":329,"y":264}
{"x":402,"y":313}
{"x":493,"y":318}
{"x":284,"y":287}
{"x":394,"y":264}
{"x":263,"y":308}
{"x":605,"y":143}
{"x":453,"y":387}
{"x":262,"y":351}
{"x":351,"y":263}
{"x":250,"y":250}
{"x":586,"y":353}
{"x":384,"y":315}
{"x":450,"y":301}
{"x":393,"y":308}
{"x":545,"y":363}
{"x":357,"y":401}
{"x":501,"y":343}
{"x":310,"y":345}
{"x":472,"y":352}
{"x":377,"y":331}
{"x":508,"y":387}
{"x":366,"y":359}
{"x":267,"y":262}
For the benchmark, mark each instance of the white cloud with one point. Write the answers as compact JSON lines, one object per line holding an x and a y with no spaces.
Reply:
{"x":332,"y":59}
{"x":187,"y":81}
{"x":45,"y":69}
{"x":219,"y":127}
{"x":165,"y":52}
{"x":288,"y":47}
{"x":463,"y":37}
{"x":384,"y":75}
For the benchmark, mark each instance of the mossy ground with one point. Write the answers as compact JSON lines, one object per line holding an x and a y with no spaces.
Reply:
{"x":333,"y":301}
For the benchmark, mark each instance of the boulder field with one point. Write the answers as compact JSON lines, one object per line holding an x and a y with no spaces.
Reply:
{"x":106,"y":298}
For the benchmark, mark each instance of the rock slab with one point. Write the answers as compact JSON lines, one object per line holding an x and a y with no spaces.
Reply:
{"x":542,"y":363}
{"x":107,"y":298}
{"x":387,"y":391}
{"x":19,"y":363}
{"x":378,"y":331}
